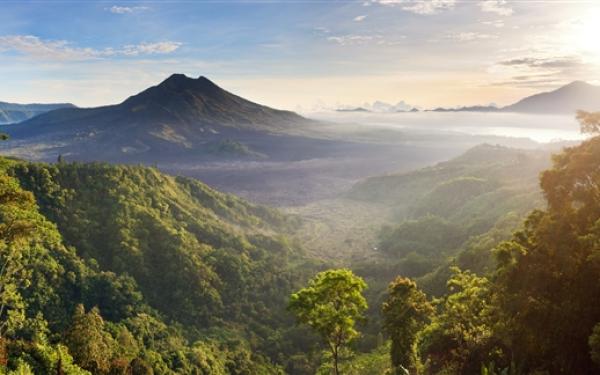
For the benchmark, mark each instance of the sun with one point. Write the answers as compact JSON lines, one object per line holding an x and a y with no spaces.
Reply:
{"x":588,"y":35}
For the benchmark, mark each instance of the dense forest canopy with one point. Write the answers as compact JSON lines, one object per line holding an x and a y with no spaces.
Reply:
{"x":192,"y":280}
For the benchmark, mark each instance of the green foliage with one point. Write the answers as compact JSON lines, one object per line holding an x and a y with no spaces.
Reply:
{"x":589,"y":121}
{"x":405,"y":311}
{"x":376,"y":362}
{"x":429,"y":235}
{"x":534,"y":313}
{"x":90,"y":344}
{"x":331,"y":304}
{"x":42,"y":358}
{"x":451,"y":214}
{"x":459,"y":337}
{"x":490,"y":369}
{"x":594,"y":344}
{"x":548,"y":273}
{"x":475,"y":255}
{"x":481,"y":170}
{"x":449,"y":196}
{"x":168,"y":269}
{"x":231,"y":148}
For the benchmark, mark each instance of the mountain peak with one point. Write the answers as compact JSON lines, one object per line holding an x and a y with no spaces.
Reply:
{"x":176,"y":77}
{"x":566,"y":99}
{"x":577,"y":85}
{"x":180,"y":81}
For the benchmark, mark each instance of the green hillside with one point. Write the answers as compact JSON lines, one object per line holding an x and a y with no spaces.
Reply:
{"x":517,"y":299}
{"x":190,"y":279}
{"x":482,"y":169}
{"x":437,"y":209}
{"x":450,"y":214}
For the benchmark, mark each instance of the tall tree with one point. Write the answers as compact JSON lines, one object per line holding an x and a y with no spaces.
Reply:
{"x":459,"y":338}
{"x":405,"y":311}
{"x":331,"y":304}
{"x":90,"y":344}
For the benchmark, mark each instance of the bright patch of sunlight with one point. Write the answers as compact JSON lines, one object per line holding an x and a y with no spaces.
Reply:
{"x":588,"y":33}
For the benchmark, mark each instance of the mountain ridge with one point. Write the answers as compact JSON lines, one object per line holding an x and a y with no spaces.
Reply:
{"x":566,"y":99}
{"x":14,"y":112}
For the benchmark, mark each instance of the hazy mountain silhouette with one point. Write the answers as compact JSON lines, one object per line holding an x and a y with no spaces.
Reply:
{"x":12,"y":112}
{"x":179,"y":114}
{"x":564,"y":100}
{"x":567,"y":99}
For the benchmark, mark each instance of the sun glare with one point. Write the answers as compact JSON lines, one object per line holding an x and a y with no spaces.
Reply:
{"x":588,"y":38}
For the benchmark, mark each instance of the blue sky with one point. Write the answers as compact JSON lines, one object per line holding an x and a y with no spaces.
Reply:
{"x":299,"y":54}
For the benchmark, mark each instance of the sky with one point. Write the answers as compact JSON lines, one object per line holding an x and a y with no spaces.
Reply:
{"x":299,"y":55}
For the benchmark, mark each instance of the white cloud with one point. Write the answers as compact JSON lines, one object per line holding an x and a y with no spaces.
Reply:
{"x":149,"y":48}
{"x":373,"y":39}
{"x":125,"y":10}
{"x":322,"y":30}
{"x":360,"y":18}
{"x":496,"y":23}
{"x":470,"y":36}
{"x":535,"y":67}
{"x":425,"y":7}
{"x":499,"y":7}
{"x":35,"y":47}
{"x":351,"y":39}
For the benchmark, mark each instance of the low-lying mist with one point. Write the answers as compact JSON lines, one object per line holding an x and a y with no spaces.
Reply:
{"x":539,"y":128}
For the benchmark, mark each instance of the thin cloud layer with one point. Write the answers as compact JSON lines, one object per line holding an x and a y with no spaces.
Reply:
{"x":126,"y":10}
{"x":354,"y":39}
{"x":496,"y":23}
{"x":499,"y":7}
{"x":32,"y":46}
{"x":470,"y":36}
{"x":549,"y":62}
{"x":424,"y":7}
{"x":542,"y":71}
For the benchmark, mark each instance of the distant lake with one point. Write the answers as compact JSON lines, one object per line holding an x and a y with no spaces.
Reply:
{"x":540,"y":128}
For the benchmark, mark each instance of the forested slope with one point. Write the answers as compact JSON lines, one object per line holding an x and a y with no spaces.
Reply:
{"x":536,"y":310}
{"x":171,"y":275}
{"x":452,"y":208}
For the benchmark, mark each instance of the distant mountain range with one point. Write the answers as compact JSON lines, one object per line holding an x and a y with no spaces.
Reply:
{"x":474,"y":108}
{"x":564,"y":100}
{"x":180,"y":115}
{"x":11,"y":112}
{"x":357,"y":109}
{"x":378,"y":107}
